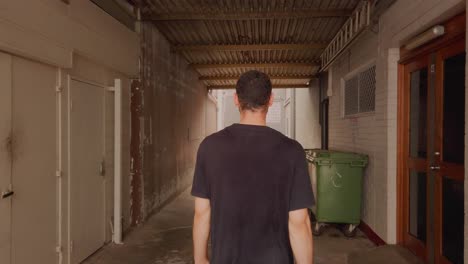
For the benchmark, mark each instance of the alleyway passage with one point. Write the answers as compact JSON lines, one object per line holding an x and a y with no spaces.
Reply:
{"x":167,"y":239}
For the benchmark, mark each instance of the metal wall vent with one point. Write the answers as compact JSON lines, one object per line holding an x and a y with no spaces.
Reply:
{"x":359,"y":92}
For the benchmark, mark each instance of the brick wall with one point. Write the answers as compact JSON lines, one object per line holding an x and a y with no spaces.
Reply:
{"x":361,"y":133}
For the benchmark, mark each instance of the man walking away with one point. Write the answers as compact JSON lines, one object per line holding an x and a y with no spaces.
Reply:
{"x":252,"y":188}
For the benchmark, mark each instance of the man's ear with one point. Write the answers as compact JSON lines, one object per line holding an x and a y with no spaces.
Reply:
{"x":236,"y":100}
{"x":272,"y":99}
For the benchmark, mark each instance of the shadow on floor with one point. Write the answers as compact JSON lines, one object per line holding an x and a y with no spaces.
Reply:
{"x":166,"y":238}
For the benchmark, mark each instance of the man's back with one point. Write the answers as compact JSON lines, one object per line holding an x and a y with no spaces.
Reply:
{"x":253,"y":176}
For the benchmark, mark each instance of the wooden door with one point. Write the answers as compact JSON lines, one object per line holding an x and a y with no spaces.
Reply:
{"x":5,"y":158}
{"x":87,"y":212}
{"x":432,"y":147}
{"x":449,"y":148}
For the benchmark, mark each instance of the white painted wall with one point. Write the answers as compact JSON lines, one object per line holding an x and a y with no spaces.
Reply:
{"x":307,"y":118}
{"x":376,"y":134}
{"x":230,"y":113}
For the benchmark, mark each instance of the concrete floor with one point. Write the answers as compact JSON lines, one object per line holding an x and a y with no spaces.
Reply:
{"x":167,"y":239}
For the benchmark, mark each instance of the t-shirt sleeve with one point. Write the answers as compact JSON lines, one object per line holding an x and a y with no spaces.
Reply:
{"x":301,"y":194}
{"x":201,"y":184}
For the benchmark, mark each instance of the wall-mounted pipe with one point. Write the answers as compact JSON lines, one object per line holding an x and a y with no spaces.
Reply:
{"x":58,"y":173}
{"x":117,"y":234}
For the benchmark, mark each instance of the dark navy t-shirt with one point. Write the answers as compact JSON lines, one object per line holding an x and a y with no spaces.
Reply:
{"x":253,"y":176}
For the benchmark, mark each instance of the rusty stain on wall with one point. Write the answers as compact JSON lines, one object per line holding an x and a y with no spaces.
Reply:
{"x":135,"y":154}
{"x":9,"y":147}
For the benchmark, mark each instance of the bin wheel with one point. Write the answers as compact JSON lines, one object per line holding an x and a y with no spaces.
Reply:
{"x":318,"y":229}
{"x":350,"y":230}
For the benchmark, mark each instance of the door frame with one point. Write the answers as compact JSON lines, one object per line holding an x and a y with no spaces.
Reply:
{"x":455,"y":32}
{"x":417,"y":164}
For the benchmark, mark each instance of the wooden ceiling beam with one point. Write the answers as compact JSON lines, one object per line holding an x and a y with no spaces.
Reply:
{"x":277,"y":86}
{"x":255,"y":65}
{"x":307,"y":46}
{"x":273,"y":77}
{"x":260,"y":15}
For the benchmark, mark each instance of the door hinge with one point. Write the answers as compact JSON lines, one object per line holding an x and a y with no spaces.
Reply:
{"x":432,"y":68}
{"x":71,"y":246}
{"x":59,"y":86}
{"x":71,"y":105}
{"x":58,"y":249}
{"x":58,"y":173}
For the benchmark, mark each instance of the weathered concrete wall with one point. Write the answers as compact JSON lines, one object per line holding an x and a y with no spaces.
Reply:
{"x":376,"y":134}
{"x":173,"y":121}
{"x":211,"y":115}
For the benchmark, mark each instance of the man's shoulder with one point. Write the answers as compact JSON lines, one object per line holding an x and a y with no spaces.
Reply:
{"x":215,"y":138}
{"x":293,"y":145}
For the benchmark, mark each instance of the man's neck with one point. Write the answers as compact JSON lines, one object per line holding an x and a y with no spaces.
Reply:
{"x":256,"y":118}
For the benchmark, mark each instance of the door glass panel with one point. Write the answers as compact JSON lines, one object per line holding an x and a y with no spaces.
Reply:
{"x":417,"y":205}
{"x":418,"y":114}
{"x":454,"y":109}
{"x":452,"y":221}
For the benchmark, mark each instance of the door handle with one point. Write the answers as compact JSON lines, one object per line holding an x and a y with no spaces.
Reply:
{"x":7,"y":194}
{"x":434,"y":167}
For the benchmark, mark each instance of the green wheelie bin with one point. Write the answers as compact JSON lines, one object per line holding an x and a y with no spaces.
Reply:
{"x":339,"y":178}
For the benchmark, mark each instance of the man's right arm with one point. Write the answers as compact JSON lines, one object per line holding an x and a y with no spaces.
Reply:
{"x":300,"y":235}
{"x":201,"y":230}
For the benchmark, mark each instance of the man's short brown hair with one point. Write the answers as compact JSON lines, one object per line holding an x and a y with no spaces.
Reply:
{"x":253,"y":90}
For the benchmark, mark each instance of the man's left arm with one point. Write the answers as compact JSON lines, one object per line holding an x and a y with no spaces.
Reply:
{"x":201,"y":230}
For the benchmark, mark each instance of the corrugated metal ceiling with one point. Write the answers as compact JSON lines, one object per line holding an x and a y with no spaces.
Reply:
{"x":229,"y":32}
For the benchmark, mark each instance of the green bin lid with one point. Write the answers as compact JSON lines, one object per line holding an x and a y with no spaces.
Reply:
{"x":329,"y":157}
